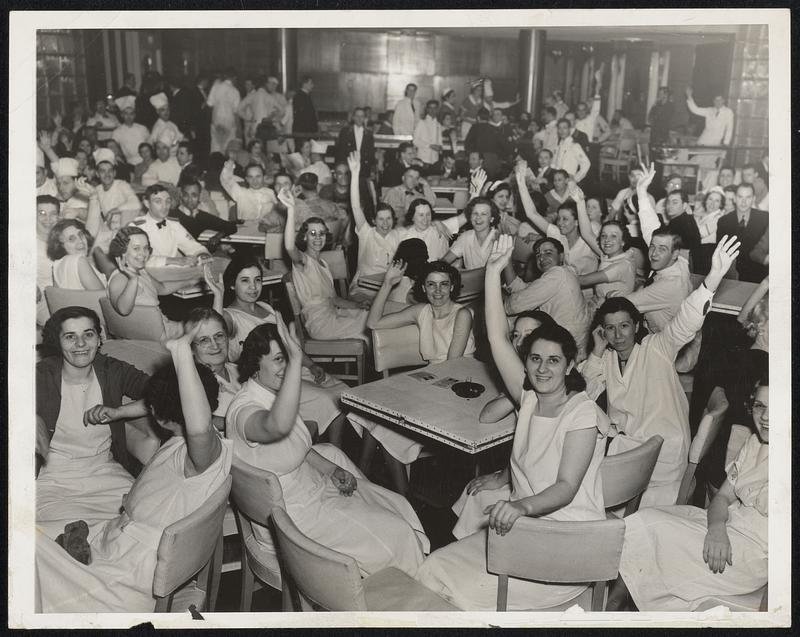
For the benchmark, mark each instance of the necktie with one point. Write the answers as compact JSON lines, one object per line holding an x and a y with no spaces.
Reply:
{"x":742,"y":222}
{"x":413,"y":110}
{"x":161,"y":224}
{"x":410,"y":192}
{"x":650,"y":279}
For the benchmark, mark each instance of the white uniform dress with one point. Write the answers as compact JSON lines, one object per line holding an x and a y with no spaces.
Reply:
{"x":66,"y":275}
{"x":250,"y":204}
{"x":376,"y":527}
{"x":314,"y":284}
{"x":650,"y":380}
{"x":474,"y":254}
{"x":458,"y":572}
{"x":375,"y":253}
{"x":120,"y":575}
{"x":435,"y":242}
{"x":580,"y":256}
{"x":319,"y":403}
{"x":662,"y":557}
{"x":223,"y":98}
{"x":147,"y":296}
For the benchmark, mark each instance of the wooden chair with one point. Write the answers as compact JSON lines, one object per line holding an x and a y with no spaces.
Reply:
{"x":324,"y":579}
{"x":56,"y":298}
{"x":558,"y":552}
{"x":255,"y":493}
{"x":626,"y":475}
{"x":192,"y":546}
{"x":337,"y":263}
{"x":707,"y":431}
{"x":739,"y":436}
{"x":396,"y":347}
{"x":143,"y":324}
{"x":348,"y":351}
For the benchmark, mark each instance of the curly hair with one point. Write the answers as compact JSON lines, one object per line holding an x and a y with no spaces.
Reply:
{"x":241,"y":261}
{"x":494,"y":211}
{"x":626,"y":236}
{"x":162,"y":396}
{"x":412,"y":209}
{"x":554,"y":333}
{"x":620,"y":304}
{"x":201,"y":314}
{"x":430,"y":268}
{"x":119,"y":244}
{"x":300,"y":239}
{"x":385,"y":206}
{"x":51,"y":332}
{"x":256,"y":345}
{"x":55,"y":246}
{"x":415,"y":254}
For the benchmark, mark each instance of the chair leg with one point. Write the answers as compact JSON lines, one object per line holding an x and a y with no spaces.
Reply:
{"x":502,"y":592}
{"x":248,"y":584}
{"x":360,"y":368}
{"x":214,"y":574}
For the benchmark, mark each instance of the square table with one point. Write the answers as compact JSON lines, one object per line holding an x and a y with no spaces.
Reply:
{"x":414,"y":401}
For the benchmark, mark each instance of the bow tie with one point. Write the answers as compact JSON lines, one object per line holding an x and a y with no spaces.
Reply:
{"x":411,"y":192}
{"x":161,"y":224}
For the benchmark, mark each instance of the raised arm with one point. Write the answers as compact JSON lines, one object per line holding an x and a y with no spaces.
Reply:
{"x":520,"y":171}
{"x":648,"y":219}
{"x":46,"y":146}
{"x":289,"y":233}
{"x":122,"y":290}
{"x":227,"y":181}
{"x":270,"y":426}
{"x":87,"y":276}
{"x":354,"y":163}
{"x":584,"y":224}
{"x":503,"y":353}
{"x":692,"y":105}
{"x":94,"y":215}
{"x":217,"y":288}
{"x":407,"y":316}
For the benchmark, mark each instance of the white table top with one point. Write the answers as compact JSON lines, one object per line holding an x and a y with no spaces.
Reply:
{"x":406,"y":400}
{"x":247,"y":232}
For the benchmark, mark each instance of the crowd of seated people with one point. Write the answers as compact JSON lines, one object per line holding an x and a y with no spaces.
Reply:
{"x":595,"y":303}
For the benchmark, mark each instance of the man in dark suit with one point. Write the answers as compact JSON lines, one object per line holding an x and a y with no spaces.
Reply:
{"x":487,"y":140}
{"x":393,"y":172}
{"x":193,"y":116}
{"x":749,"y":225}
{"x":305,"y":115}
{"x":357,"y":137}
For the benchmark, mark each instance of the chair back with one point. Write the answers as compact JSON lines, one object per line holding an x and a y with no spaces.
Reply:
{"x":323,"y":577}
{"x":56,"y":298}
{"x":297,"y":309}
{"x":739,"y":436}
{"x":186,"y":546}
{"x":338,"y":266}
{"x":472,"y":282}
{"x":144,"y":323}
{"x":627,"y":142}
{"x":460,"y":199}
{"x":396,"y":347}
{"x":255,"y":491}
{"x":553,"y":551}
{"x":273,"y":245}
{"x":626,"y":475}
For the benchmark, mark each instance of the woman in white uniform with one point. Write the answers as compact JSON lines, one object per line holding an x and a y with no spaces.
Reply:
{"x":241,"y":281}
{"x":182,"y":474}
{"x":554,"y":469}
{"x":327,"y":316}
{"x":637,"y":370}
{"x":68,"y":247}
{"x":473,"y":246}
{"x":577,"y":253}
{"x":376,"y":244}
{"x":326,"y":501}
{"x":419,"y":225}
{"x":445,"y":332}
{"x":675,"y":558}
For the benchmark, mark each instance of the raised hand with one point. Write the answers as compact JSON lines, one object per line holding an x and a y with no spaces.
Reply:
{"x":521,"y":170}
{"x":184,"y":340}
{"x":648,"y":174}
{"x":84,"y":187}
{"x":286,"y":197}
{"x":477,"y":182}
{"x":127,"y":270}
{"x":44,"y":140}
{"x":344,"y":481}
{"x":354,"y":162}
{"x":600,"y":341}
{"x":501,"y":252}
{"x":216,"y":286}
{"x":724,"y":255}
{"x":689,"y":92}
{"x":289,"y":339}
{"x":395,"y":273}
{"x":574,"y":191}
{"x":598,"y":76}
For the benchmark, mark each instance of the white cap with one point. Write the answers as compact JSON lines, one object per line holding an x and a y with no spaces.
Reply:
{"x":66,"y":167}
{"x":126,"y":102}
{"x":168,"y":137}
{"x":318,"y":147}
{"x":104,"y":154}
{"x":159,"y":100}
{"x":39,"y":158}
{"x":447,"y":91}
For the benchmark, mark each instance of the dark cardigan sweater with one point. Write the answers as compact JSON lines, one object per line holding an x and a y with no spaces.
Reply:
{"x":116,"y":379}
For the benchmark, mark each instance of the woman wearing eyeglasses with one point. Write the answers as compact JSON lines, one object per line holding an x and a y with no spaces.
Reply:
{"x":327,"y":316}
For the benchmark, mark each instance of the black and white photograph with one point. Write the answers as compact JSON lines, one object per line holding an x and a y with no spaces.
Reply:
{"x":399,"y":318}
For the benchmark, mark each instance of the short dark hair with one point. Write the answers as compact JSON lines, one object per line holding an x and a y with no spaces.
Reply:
{"x":309,"y":181}
{"x":666,"y":231}
{"x":620,"y":304}
{"x":563,"y":120}
{"x":429,"y":102}
{"x":252,"y":143}
{"x":744,"y":184}
{"x":437,"y":266}
{"x":555,"y":242}
{"x":254,"y":164}
{"x":51,"y":332}
{"x":149,"y":147}
{"x":119,"y":244}
{"x":494,"y":211}
{"x":561,"y":171}
{"x":731,"y":168}
{"x":162,"y":396}
{"x":188,"y":145}
{"x":154,"y":189}
{"x":185,"y":183}
{"x":256,"y":345}
{"x":412,"y":209}
{"x":550,"y":110}
{"x":626,"y":236}
{"x":679,"y":192}
{"x":241,"y":261}
{"x":55,"y":247}
{"x":554,"y":333}
{"x":50,"y":199}
{"x":385,"y":206}
{"x":283,"y":173}
{"x":571,"y":206}
{"x":300,"y":241}
{"x":408,"y":86}
{"x":404,"y":146}
{"x":414,"y":253}
{"x":483,"y":113}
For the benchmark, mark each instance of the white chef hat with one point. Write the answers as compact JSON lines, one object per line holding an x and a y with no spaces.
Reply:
{"x":104,"y":154}
{"x":159,"y":100}
{"x":127,"y":102}
{"x":318,"y":147}
{"x":66,"y":167}
{"x":447,"y":92}
{"x":167,"y":137}
{"x":39,"y":158}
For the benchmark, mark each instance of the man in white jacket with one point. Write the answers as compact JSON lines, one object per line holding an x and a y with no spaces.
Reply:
{"x":428,"y":135}
{"x":406,"y":115}
{"x":224,"y":101}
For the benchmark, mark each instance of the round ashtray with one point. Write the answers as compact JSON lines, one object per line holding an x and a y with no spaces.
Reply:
{"x":467,"y":389}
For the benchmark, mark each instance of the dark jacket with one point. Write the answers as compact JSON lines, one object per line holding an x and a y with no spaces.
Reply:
{"x":346,"y":144}
{"x":757,"y":225}
{"x":116,"y":379}
{"x":203,"y":221}
{"x":660,"y":119}
{"x":305,"y":115}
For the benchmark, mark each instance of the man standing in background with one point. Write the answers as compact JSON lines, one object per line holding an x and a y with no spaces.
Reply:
{"x":305,"y":115}
{"x":406,"y":113}
{"x":223,"y":99}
